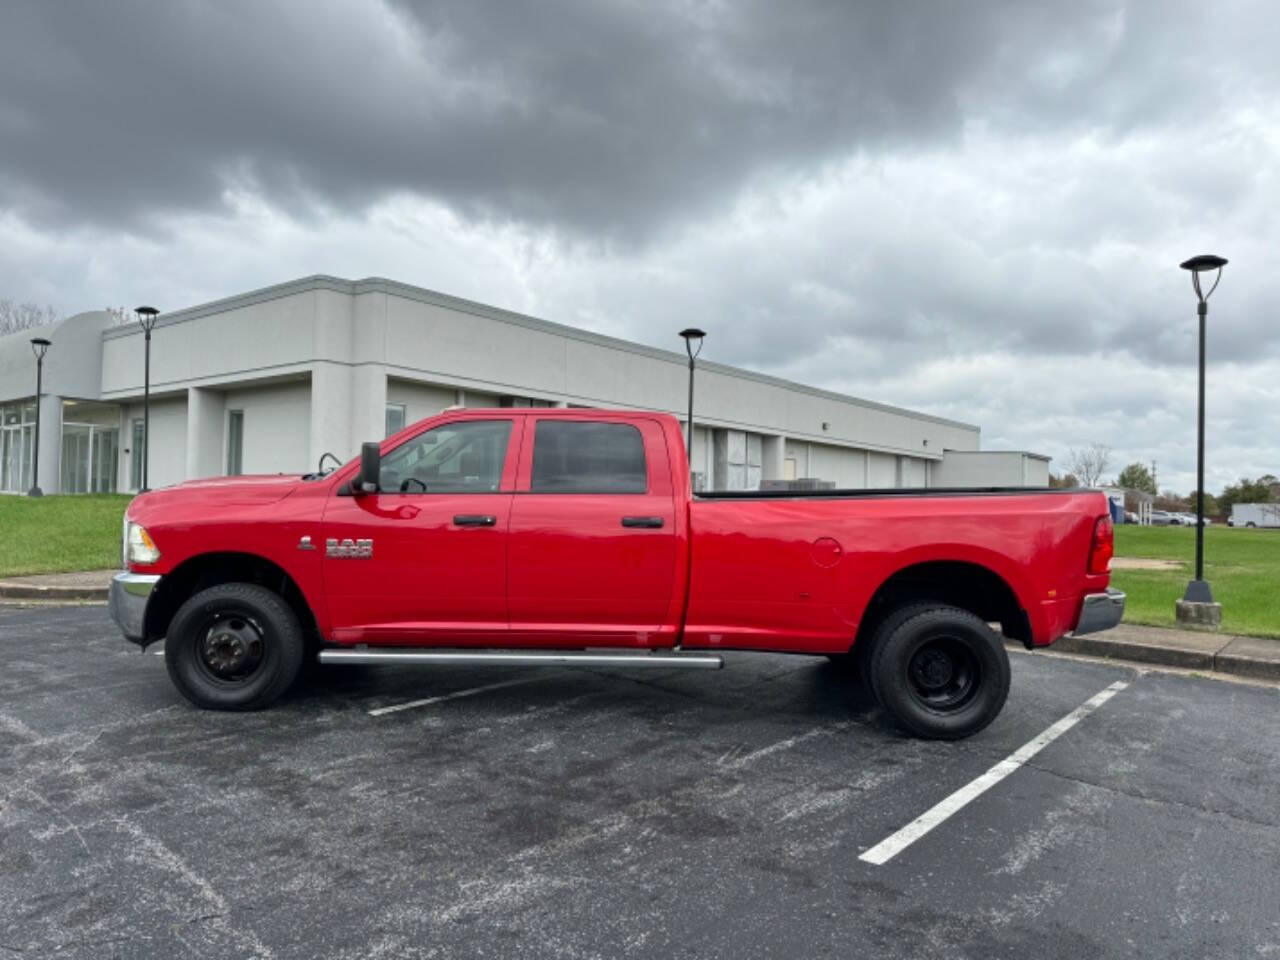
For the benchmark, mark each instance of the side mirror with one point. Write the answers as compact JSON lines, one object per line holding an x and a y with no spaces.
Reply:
{"x":366,"y":481}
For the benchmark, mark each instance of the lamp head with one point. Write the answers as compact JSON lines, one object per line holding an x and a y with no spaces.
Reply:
{"x":1203,"y":264}
{"x":147,"y":317}
{"x":39,"y":345}
{"x":691,"y":336}
{"x":1206,"y":261}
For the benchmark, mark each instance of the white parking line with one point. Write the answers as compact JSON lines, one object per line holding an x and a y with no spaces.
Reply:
{"x":891,"y":846}
{"x":395,"y":708}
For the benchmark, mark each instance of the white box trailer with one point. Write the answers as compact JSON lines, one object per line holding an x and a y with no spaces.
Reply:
{"x":1255,"y":515}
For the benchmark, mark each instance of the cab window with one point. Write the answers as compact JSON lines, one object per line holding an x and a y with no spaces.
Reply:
{"x":582,"y":457}
{"x":463,"y":457}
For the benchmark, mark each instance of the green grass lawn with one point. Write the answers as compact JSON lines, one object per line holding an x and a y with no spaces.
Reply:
{"x":59,"y":534}
{"x":1242,"y":567}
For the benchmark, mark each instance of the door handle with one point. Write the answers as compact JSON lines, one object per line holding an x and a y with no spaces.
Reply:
{"x":474,"y":520}
{"x":651,"y":523}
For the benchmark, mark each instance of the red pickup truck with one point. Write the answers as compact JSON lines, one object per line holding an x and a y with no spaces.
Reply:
{"x":572,"y":536}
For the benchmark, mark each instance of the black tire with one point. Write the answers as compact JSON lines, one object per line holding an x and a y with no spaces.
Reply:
{"x":939,"y":671}
{"x":1251,"y":524}
{"x":889,"y":622}
{"x":234,"y":646}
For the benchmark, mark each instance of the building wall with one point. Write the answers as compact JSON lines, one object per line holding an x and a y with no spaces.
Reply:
{"x":275,"y":428}
{"x":1037,"y":471}
{"x":72,"y":365}
{"x":702,"y":461}
{"x":409,"y":334}
{"x":420,"y":399}
{"x":313,"y":364}
{"x":882,"y":471}
{"x":991,"y":469}
{"x":168,"y":444}
{"x":848,"y":468}
{"x":913,"y":472}
{"x":479,"y":398}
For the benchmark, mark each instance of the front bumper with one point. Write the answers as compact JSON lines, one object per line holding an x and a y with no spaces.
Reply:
{"x":127,"y":601}
{"x":1101,"y":611}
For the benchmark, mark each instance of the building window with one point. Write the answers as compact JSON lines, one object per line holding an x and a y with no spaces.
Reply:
{"x":17,"y":438}
{"x":136,"y":456}
{"x":581,"y":457}
{"x":395,"y":418}
{"x":235,"y":442}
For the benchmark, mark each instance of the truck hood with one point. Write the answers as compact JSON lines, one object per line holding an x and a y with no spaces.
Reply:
{"x":266,"y":488}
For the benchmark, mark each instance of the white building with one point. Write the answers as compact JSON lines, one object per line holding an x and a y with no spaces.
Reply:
{"x":269,"y":380}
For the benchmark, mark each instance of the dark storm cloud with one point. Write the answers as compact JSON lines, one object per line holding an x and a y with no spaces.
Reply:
{"x":974,"y":208}
{"x":604,"y":120}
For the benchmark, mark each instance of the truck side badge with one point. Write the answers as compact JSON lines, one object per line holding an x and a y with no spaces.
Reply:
{"x":306,"y":544}
{"x":348,"y":548}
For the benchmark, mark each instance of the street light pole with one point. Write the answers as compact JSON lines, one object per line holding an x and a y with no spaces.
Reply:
{"x":691,"y":334}
{"x":147,"y":318}
{"x":39,"y":346}
{"x":1198,"y":589}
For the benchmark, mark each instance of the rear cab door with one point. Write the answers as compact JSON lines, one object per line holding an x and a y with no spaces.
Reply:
{"x":595,"y":534}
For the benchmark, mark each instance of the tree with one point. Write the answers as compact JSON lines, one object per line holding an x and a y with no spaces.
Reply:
{"x":1066,"y":481}
{"x":23,"y":316}
{"x":1136,"y":477}
{"x":1246,"y":491}
{"x":1211,"y":506}
{"x":121,"y":317}
{"x":1090,"y":463}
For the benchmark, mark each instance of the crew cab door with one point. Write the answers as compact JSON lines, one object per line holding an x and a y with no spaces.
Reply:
{"x":424,"y":560}
{"x":593,"y":534}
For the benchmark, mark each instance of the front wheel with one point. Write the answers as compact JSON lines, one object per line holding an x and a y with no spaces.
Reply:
{"x":941,"y":672}
{"x":234,"y":646}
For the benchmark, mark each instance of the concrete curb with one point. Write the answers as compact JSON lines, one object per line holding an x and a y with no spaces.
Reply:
{"x":1257,"y":658}
{"x":13,"y":590}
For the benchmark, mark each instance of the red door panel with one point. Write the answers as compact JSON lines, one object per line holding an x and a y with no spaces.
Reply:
{"x":435,"y":567}
{"x":574,"y":568}
{"x":592,"y":568}
{"x":429,"y":579}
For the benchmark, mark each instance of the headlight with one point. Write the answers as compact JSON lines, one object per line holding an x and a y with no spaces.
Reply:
{"x":138,"y":545}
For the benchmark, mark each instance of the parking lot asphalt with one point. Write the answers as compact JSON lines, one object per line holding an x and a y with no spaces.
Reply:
{"x":593,"y":813}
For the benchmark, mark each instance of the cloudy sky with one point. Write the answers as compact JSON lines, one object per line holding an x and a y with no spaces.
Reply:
{"x":971,"y":208}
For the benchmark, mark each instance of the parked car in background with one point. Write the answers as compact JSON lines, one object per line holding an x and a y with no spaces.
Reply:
{"x":1189,"y":519}
{"x":1162,"y":518}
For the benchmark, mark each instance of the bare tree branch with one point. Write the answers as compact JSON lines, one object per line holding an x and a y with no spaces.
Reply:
{"x":1090,"y":463}
{"x":120,"y":316}
{"x":24,"y":316}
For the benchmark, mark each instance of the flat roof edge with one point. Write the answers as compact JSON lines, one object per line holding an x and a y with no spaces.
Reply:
{"x":1020,"y":453}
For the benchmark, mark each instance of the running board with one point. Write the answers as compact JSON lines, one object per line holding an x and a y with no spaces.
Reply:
{"x":524,"y":659}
